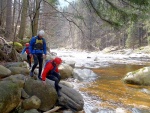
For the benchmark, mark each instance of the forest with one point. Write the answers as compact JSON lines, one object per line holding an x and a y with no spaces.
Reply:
{"x":83,"y":24}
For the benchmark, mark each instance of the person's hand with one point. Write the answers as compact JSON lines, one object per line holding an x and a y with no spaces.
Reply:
{"x":44,"y":56}
{"x":44,"y":83}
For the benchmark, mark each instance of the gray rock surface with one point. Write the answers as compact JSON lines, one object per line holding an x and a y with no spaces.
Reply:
{"x":46,"y":93}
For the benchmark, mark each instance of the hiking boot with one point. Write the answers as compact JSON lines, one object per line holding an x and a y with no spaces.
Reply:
{"x":58,"y":93}
{"x":39,"y":77}
{"x":31,"y":74}
{"x":59,"y":87}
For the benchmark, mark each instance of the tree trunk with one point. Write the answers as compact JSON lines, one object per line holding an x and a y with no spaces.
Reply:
{"x":36,"y":19}
{"x":8,"y":20}
{"x":14,"y":12}
{"x":23,"y":19}
{"x":2,"y":12}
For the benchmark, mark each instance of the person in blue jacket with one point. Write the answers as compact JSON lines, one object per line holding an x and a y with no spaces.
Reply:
{"x":26,"y":49}
{"x":38,"y":51}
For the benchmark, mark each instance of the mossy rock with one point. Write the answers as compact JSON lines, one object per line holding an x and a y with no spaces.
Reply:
{"x":18,"y":46}
{"x":138,"y":77}
{"x":24,"y":41}
{"x":10,"y":94}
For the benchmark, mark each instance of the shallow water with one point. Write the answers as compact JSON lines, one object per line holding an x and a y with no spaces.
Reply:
{"x":114,"y":96}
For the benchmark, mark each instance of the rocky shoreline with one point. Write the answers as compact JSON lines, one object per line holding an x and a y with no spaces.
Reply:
{"x":23,"y":94}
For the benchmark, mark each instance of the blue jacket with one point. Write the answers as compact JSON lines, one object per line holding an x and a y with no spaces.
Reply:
{"x":32,"y":43}
{"x":24,"y":49}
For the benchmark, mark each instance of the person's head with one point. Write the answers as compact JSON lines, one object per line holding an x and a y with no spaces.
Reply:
{"x":27,"y":44}
{"x":57,"y":61}
{"x":41,"y":33}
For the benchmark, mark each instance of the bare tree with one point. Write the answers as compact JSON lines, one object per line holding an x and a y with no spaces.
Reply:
{"x":9,"y":20}
{"x":23,"y":19}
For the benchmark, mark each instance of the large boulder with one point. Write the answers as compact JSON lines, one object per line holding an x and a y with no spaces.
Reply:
{"x":140,"y":77}
{"x":10,"y":94}
{"x":46,"y":93}
{"x":83,"y":74}
{"x":65,"y":71}
{"x":71,"y":99}
{"x":19,"y":70}
{"x":4,"y":72}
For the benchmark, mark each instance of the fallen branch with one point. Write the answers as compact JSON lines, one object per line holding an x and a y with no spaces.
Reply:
{"x":53,"y":110}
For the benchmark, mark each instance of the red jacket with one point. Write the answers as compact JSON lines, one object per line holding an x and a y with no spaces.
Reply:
{"x":47,"y":69}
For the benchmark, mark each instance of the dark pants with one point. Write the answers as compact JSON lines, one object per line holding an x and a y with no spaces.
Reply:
{"x":29,"y":59}
{"x":38,"y":59}
{"x":55,"y":77}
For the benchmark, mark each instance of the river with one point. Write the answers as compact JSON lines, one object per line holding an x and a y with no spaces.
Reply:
{"x":116,"y":96}
{"x":107,"y":93}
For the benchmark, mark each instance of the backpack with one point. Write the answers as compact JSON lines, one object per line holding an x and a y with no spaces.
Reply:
{"x":38,"y":44}
{"x":52,"y":64}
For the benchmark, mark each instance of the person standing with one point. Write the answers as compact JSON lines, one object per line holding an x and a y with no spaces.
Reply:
{"x":38,"y":51}
{"x":26,"y":49}
{"x":51,"y":72}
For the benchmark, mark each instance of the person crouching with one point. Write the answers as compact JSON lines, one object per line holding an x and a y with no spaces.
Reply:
{"x":51,"y":72}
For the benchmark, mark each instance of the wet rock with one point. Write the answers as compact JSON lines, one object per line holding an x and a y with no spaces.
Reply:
{"x":4,"y":72}
{"x":71,"y":99}
{"x":83,"y":74}
{"x":139,"y":77}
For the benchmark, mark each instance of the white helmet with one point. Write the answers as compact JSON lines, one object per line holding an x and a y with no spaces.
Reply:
{"x":41,"y":33}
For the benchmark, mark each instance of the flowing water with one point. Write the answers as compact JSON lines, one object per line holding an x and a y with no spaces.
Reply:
{"x":107,"y":93}
{"x":110,"y":95}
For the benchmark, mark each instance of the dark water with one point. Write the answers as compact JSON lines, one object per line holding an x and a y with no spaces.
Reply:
{"x":113,"y":93}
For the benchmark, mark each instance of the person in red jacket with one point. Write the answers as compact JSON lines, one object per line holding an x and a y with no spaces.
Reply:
{"x":51,"y":72}
{"x":26,"y":49}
